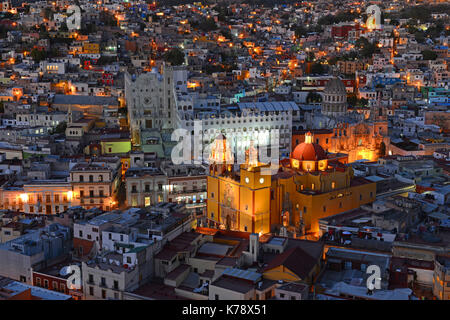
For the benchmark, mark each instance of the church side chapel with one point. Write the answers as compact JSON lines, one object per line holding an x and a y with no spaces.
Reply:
{"x":361,"y":137}
{"x":311,"y":184}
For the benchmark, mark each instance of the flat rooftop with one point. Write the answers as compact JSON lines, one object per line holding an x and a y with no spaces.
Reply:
{"x":214,"y":249}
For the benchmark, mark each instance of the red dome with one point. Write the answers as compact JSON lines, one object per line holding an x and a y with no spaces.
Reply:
{"x":309,"y":152}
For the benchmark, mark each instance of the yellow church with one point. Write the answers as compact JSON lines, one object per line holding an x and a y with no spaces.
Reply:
{"x":310,"y":185}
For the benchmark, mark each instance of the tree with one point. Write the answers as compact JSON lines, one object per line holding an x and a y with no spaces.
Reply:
{"x":300,"y":31}
{"x":175,"y":57}
{"x":333,"y":60}
{"x":429,"y":55}
{"x":48,"y":13}
{"x":317,"y":68}
{"x":108,"y":19}
{"x":226,"y":33}
{"x":123,"y":111}
{"x":63,"y":27}
{"x":313,"y":97}
{"x":38,"y":55}
{"x":419,"y":36}
{"x":206,"y":25}
{"x":121,"y":195}
{"x":352,"y":99}
{"x":394,"y":22}
{"x":60,"y":128}
{"x":366,"y":49}
{"x":363,"y":101}
{"x":382,"y":151}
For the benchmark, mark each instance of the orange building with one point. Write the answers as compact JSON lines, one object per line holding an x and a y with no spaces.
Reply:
{"x":310,"y":186}
{"x":91,"y":48}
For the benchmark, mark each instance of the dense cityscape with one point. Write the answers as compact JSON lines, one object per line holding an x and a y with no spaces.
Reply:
{"x":224,"y":150}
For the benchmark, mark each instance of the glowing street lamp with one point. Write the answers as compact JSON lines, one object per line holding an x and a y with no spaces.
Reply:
{"x":24,"y":197}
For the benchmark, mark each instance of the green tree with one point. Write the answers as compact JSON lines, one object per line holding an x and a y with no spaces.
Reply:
{"x":366,"y":48}
{"x":226,"y":33}
{"x":205,"y":24}
{"x":382,"y":151}
{"x":313,"y":97}
{"x":48,"y":13}
{"x":60,"y":128}
{"x":121,"y":194}
{"x":63,"y":27}
{"x":317,"y":68}
{"x":419,"y":36}
{"x":300,"y":31}
{"x":429,"y":55}
{"x":363,"y":102}
{"x":175,"y":57}
{"x":38,"y":55}
{"x":352,"y":99}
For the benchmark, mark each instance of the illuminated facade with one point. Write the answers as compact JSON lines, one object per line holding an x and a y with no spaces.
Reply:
{"x":350,"y":133}
{"x":38,"y":197}
{"x":310,"y":186}
{"x":237,"y":201}
{"x":90,"y":185}
{"x":95,"y":184}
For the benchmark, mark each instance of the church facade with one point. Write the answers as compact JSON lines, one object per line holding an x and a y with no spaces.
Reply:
{"x":310,"y":185}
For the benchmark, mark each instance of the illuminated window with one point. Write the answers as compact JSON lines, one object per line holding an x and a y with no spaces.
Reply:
{"x":247,"y":180}
{"x":333,"y":185}
{"x":261,"y":180}
{"x":312,"y":186}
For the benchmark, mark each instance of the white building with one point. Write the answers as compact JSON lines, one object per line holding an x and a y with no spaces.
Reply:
{"x":259,"y":121}
{"x":52,"y":67}
{"x":151,"y":98}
